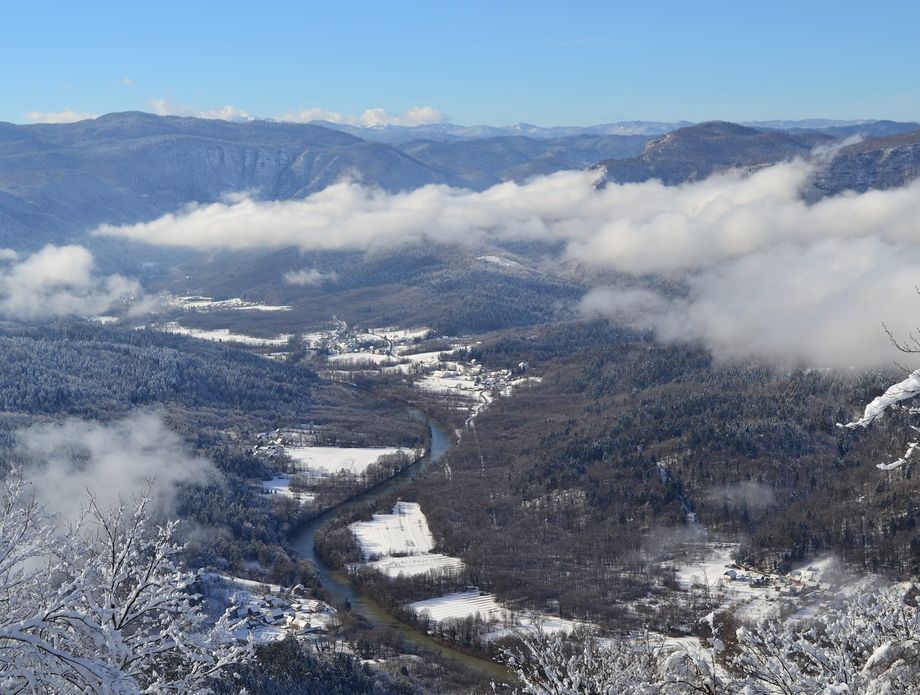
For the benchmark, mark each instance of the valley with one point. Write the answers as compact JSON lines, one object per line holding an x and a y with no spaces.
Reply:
{"x":557,"y":389}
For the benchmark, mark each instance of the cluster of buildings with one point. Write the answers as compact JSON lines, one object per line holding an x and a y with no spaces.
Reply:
{"x":269,"y":617}
{"x":794,"y":583}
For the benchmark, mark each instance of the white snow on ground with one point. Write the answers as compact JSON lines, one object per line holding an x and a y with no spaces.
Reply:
{"x":329,"y":460}
{"x":508,"y":390}
{"x":468,"y":604}
{"x":358,"y":358}
{"x":425,"y":357}
{"x":269,"y":612}
{"x":223,"y":335}
{"x":500,"y":261}
{"x":196,"y":303}
{"x":514,"y":623}
{"x":449,"y":381}
{"x":414,"y":565}
{"x":460,"y":605}
{"x":281,"y":485}
{"x":404,"y":532}
{"x":709,"y":571}
{"x":754,"y":595}
{"x":401,"y":335}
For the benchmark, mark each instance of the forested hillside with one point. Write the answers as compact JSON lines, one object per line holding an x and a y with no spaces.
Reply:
{"x":629,"y":448}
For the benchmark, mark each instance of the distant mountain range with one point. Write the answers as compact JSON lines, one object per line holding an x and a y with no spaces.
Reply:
{"x":441,"y":132}
{"x":450,"y":131}
{"x":57,"y":182}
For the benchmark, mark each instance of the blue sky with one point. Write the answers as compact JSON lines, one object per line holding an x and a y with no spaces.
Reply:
{"x":548,"y":63}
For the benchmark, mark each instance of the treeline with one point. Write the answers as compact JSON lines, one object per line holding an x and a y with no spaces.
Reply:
{"x":85,"y":369}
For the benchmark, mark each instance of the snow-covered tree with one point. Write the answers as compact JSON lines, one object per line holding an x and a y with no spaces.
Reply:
{"x":556,"y":665}
{"x":868,"y":644}
{"x":893,"y":399}
{"x":104,"y":608}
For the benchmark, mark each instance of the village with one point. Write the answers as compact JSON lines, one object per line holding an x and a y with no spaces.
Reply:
{"x":270,"y":612}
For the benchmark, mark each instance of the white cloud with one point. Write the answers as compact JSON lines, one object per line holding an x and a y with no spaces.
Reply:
{"x":822,"y":303}
{"x":768,"y":274}
{"x":58,"y":281}
{"x":351,"y":216}
{"x":309,"y":277}
{"x":113,"y":461}
{"x":163,"y":107}
{"x":417,"y":115}
{"x":65,"y":116}
{"x":127,"y":81}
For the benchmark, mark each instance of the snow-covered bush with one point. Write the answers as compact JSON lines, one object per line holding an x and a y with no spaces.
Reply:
{"x":555,"y":665}
{"x":102,"y":608}
{"x":869,"y":644}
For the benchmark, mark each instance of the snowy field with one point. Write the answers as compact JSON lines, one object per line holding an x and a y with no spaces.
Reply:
{"x":708,"y":571}
{"x":195,"y":303}
{"x":527,"y":622}
{"x":470,"y":604}
{"x":329,"y":460}
{"x":405,"y":535}
{"x":415,"y":565}
{"x":402,"y":335}
{"x":754,"y":595}
{"x":362,"y":358}
{"x":223,"y":335}
{"x":404,"y":532}
{"x":500,"y":261}
{"x":463,"y":604}
{"x":281,"y":485}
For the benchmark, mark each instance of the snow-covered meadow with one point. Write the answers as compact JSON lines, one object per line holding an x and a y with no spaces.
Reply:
{"x":404,"y":532}
{"x":205,"y":304}
{"x":502,"y":621}
{"x":224,"y":335}
{"x":414,"y":565}
{"x":460,"y":605}
{"x":281,"y":485}
{"x":332,"y":460}
{"x":401,"y":543}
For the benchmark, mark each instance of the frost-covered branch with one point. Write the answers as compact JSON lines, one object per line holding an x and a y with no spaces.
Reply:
{"x":556,"y":665}
{"x":868,"y":644}
{"x":104,"y":608}
{"x":892,"y":399}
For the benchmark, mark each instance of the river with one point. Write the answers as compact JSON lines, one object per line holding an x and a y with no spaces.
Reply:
{"x":338,"y":584}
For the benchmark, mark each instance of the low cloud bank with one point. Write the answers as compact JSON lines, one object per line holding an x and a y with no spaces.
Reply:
{"x":65,"y":116}
{"x":56,"y":282}
{"x":768,"y":274}
{"x":821,"y":304}
{"x":309,"y":277}
{"x":112,"y":461}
